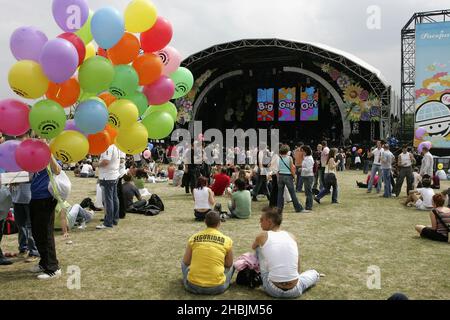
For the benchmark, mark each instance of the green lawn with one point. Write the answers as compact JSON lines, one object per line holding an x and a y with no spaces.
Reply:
{"x":141,"y":258}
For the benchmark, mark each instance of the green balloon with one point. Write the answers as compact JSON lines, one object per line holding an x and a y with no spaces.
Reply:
{"x":96,"y":74}
{"x":168,"y":107}
{"x":47,"y":119}
{"x":85,"y":96}
{"x":85,"y":32}
{"x":159,"y":125}
{"x":184,"y":81}
{"x":140,"y":100}
{"x":126,"y":81}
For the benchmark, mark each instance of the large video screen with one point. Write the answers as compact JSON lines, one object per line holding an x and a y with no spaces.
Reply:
{"x":309,"y":104}
{"x":286,"y":104}
{"x":266,"y":101}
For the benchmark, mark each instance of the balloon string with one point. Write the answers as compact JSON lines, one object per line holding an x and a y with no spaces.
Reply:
{"x":59,"y":90}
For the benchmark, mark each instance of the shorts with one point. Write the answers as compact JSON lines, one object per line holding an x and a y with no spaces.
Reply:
{"x":431,"y":234}
{"x":421,"y":206}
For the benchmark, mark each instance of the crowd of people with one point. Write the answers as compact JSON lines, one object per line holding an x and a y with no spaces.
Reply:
{"x":208,"y":264}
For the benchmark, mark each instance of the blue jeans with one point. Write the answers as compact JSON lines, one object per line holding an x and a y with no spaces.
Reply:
{"x":308,"y":182}
{"x":288,"y":181}
{"x":201,"y":290}
{"x":23,"y":221}
{"x":387,"y":183}
{"x":376,"y":168}
{"x":330,"y":182}
{"x":299,"y":185}
{"x":110,"y":202}
{"x":305,"y":281}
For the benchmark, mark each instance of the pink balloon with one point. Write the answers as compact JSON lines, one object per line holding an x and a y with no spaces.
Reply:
{"x":160,"y":91}
{"x":420,"y":132}
{"x":8,"y":156}
{"x":33,"y":155}
{"x":147,"y":154}
{"x":14,"y":117}
{"x":171,"y":59}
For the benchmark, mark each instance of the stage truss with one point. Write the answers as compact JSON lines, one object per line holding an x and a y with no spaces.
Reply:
{"x":408,"y":70}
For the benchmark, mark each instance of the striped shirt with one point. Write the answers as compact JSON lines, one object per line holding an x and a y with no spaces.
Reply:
{"x":440,"y":227}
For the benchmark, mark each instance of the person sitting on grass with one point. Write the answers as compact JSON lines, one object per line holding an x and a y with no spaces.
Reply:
{"x":364,"y":185}
{"x":422,"y":198}
{"x":440,"y":221}
{"x":278,"y":257}
{"x":203,"y":199}
{"x":68,"y":216}
{"x":87,"y":171}
{"x":178,"y":176}
{"x":129,"y":191}
{"x":139,"y":181}
{"x":241,"y":202}
{"x":207,"y":264}
{"x":221,"y":182}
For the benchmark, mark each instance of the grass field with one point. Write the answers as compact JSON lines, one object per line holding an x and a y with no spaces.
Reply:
{"x":141,"y":258}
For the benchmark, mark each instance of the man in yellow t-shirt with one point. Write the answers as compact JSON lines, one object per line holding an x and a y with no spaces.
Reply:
{"x":208,"y":261}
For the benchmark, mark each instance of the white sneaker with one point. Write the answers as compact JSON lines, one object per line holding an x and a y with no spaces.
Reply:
{"x":82,"y":226}
{"x":50,"y":275}
{"x":36,"y":269}
{"x":102,"y":227}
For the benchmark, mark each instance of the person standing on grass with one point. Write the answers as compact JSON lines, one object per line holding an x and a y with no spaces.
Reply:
{"x":323,"y":163}
{"x":440,"y":221}
{"x":307,"y":172}
{"x":316,"y":157}
{"x":286,"y":173}
{"x":42,"y":214}
{"x":376,"y":154}
{"x":330,"y":179}
{"x":298,"y":160}
{"x":279,"y":261}
{"x":207,"y":264}
{"x":427,"y":163}
{"x":109,"y":166}
{"x":386,"y":167}
{"x":5,"y":206}
{"x":405,"y":162}
{"x":263,"y":164}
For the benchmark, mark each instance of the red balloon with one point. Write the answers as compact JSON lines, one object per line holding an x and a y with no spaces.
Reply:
{"x":102,"y":52}
{"x":33,"y":155}
{"x":14,"y":117}
{"x":77,"y":43}
{"x":158,"y":37}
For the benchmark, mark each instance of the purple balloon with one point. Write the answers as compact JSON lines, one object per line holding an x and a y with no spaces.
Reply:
{"x":420,"y":132}
{"x":26,"y":43}
{"x":428,"y":145}
{"x":70,"y":15}
{"x":71,"y":126}
{"x":8,"y":156}
{"x":59,"y":59}
{"x":160,"y":91}
{"x":420,"y":147}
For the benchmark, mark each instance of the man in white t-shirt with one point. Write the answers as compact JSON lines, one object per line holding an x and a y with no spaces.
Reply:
{"x":386,"y":166}
{"x":323,"y":164}
{"x":87,"y":171}
{"x":405,"y":162}
{"x":109,"y":165}
{"x":376,"y":154}
{"x":422,"y":198}
{"x":427,"y":163}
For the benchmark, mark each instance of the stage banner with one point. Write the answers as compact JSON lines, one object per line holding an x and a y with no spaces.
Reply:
{"x":286,"y":104}
{"x":432,"y":117}
{"x":309,"y":108}
{"x":266,"y":100}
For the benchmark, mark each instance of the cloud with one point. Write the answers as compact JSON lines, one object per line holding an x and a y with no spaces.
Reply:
{"x":199,"y":24}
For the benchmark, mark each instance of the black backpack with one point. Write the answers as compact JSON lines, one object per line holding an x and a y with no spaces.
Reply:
{"x":156,"y":201}
{"x":249,"y":277}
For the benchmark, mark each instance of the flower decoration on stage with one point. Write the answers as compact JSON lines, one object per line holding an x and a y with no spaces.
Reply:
{"x":393,"y":142}
{"x":112,"y":68}
{"x":343,"y":82}
{"x":352,"y":94}
{"x":365,"y":116}
{"x":326,"y":68}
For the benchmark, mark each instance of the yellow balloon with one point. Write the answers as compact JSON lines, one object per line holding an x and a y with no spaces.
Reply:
{"x":27,"y":79}
{"x":123,"y":114}
{"x":440,"y":166}
{"x":132,"y":140}
{"x":90,"y":51}
{"x":140,"y":16}
{"x":70,"y":146}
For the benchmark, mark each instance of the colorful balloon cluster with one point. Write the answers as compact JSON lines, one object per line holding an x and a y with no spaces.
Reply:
{"x":421,"y":134}
{"x":121,"y":91}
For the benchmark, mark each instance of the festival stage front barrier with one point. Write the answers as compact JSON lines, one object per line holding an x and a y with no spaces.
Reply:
{"x":286,"y":104}
{"x":432,"y":117}
{"x":266,"y":100}
{"x":309,"y":108}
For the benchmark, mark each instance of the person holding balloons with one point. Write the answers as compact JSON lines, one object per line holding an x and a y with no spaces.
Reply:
{"x":109,"y":173}
{"x":42,"y":213}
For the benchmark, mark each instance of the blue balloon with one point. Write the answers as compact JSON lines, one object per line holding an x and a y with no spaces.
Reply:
{"x":91,"y":116}
{"x":107,"y":27}
{"x":150,"y":146}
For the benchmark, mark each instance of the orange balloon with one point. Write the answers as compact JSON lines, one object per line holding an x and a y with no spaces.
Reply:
{"x":112,"y":132}
{"x":99,"y":142}
{"x":126,"y":50}
{"x":149,"y":68}
{"x":102,"y":52}
{"x":107,"y":97}
{"x":66,"y":93}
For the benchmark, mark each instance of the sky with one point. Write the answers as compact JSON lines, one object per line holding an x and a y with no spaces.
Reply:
{"x":199,"y":24}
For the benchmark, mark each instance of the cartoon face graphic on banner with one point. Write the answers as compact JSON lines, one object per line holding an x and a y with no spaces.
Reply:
{"x":434,"y":116}
{"x":286,"y":104}
{"x":266,"y":100}
{"x":309,"y":108}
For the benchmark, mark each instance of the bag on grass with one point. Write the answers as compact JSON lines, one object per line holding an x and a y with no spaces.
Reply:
{"x":249,"y":277}
{"x":156,"y":201}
